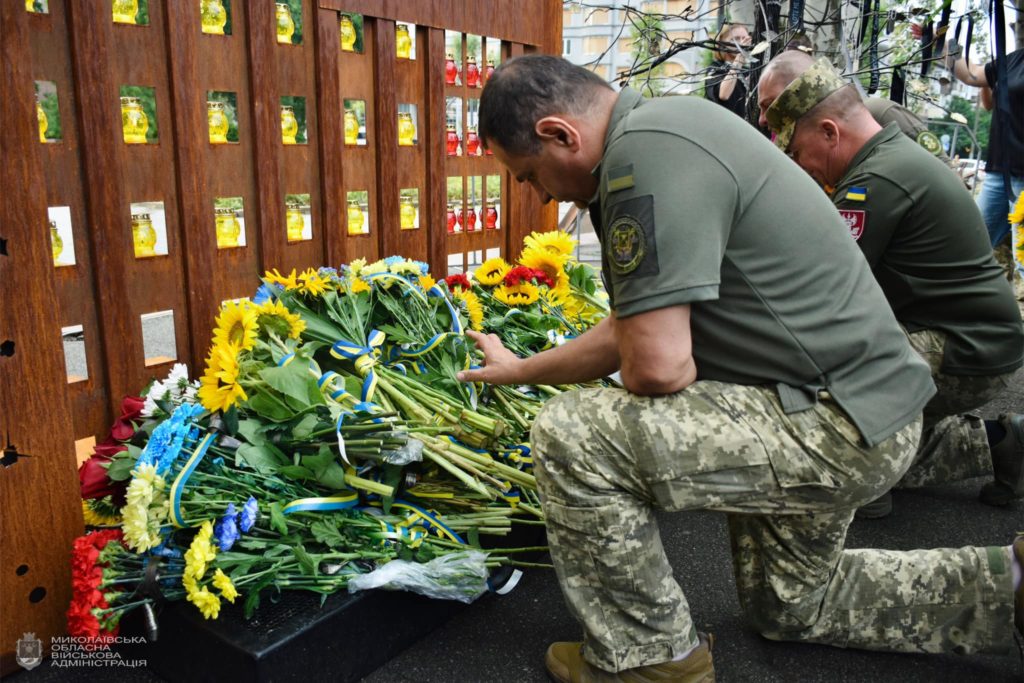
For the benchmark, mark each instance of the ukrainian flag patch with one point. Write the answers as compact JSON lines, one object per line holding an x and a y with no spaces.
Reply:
{"x":857,"y":194}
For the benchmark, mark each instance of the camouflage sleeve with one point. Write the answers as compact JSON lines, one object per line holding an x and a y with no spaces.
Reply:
{"x":667,"y":218}
{"x":873,"y":208}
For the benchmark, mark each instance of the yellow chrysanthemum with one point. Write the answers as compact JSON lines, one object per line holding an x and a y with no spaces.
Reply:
{"x":189,"y":584}
{"x":474,"y":309}
{"x":94,"y":517}
{"x":219,"y":388}
{"x":405,"y":267}
{"x":200,"y":552}
{"x":145,"y":510}
{"x":557,"y":242}
{"x":275,"y":278}
{"x":275,"y":316}
{"x":492,"y":271}
{"x":552,"y":264}
{"x":356,"y":267}
{"x":311,"y":283}
{"x":236,"y":326}
{"x":358,"y":284}
{"x":426,"y":282}
{"x":207,"y":602}
{"x":223,"y":583}
{"x":522,"y":294}
{"x":373,"y":268}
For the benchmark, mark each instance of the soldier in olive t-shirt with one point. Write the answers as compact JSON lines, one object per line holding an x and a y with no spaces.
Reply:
{"x":925,"y":241}
{"x":765,"y":376}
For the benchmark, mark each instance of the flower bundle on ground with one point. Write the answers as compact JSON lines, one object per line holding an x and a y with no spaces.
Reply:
{"x":328,"y":435}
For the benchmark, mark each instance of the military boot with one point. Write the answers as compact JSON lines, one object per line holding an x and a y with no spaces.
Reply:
{"x":565,"y":664}
{"x":1007,"y":464}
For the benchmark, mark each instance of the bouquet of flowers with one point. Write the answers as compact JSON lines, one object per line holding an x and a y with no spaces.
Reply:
{"x":327,"y":437}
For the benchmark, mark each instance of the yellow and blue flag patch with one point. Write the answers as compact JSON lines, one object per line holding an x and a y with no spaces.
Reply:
{"x":857,"y":194}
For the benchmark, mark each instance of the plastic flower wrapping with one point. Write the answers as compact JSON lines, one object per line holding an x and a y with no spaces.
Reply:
{"x":327,"y":438}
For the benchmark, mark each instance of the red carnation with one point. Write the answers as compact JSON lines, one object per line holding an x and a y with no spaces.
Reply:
{"x":458,"y":280}
{"x":516,"y":276}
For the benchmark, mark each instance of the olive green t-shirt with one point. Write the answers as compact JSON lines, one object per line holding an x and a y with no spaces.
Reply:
{"x":926,"y":243}
{"x":698,"y":208}
{"x":886,"y":112}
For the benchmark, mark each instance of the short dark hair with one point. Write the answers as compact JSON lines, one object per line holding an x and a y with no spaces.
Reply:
{"x":524,"y":90}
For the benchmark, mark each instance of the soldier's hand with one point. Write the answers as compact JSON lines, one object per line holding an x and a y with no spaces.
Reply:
{"x":500,"y":364}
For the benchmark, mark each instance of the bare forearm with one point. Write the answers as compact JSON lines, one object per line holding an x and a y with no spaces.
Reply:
{"x":727,"y":86}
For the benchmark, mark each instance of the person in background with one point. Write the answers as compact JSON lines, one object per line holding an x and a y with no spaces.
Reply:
{"x":727,"y":82}
{"x":924,"y":239}
{"x":763,"y":376}
{"x":887,"y":111}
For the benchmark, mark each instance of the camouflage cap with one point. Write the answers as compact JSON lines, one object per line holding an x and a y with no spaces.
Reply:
{"x":808,"y":89}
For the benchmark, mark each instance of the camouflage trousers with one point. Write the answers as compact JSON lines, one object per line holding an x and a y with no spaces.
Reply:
{"x":606,"y":459}
{"x":953,"y":446}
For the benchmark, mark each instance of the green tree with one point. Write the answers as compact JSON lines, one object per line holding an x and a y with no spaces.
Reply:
{"x":968,"y":110}
{"x":646,"y":34}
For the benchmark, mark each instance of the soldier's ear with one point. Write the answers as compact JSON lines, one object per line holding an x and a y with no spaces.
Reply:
{"x":830,"y":130}
{"x":558,"y":130}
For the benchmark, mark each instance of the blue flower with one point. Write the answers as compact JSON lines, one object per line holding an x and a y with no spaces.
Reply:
{"x":226,"y":529}
{"x":392,"y":260}
{"x":248,"y":515}
{"x":167,"y":439}
{"x":265,"y":293}
{"x":424,"y":268}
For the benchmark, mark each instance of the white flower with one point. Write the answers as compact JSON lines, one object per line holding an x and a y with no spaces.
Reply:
{"x":175,"y":388}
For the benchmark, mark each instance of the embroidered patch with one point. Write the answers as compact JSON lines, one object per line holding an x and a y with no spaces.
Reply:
{"x":857,"y":194}
{"x":930,"y":141}
{"x":856,"y":220}
{"x":620,"y":178}
{"x":626,"y":244}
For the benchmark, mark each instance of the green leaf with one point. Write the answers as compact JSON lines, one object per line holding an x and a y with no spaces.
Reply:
{"x":252,"y":431}
{"x":231,"y":420}
{"x":327,"y":533}
{"x":270,"y":407}
{"x":325,"y":469}
{"x":120,"y":468}
{"x":295,"y":472}
{"x":264,"y":458}
{"x":304,"y":427}
{"x":306,"y":561}
{"x":277,"y":521}
{"x":291,"y":380}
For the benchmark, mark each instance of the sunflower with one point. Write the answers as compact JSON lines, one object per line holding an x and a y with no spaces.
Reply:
{"x":474,"y":309}
{"x":236,"y":326}
{"x":1017,"y":215}
{"x":550,"y":263}
{"x":311,"y":283}
{"x":97,"y":512}
{"x":219,"y":388}
{"x":275,"y":317}
{"x":426,"y":282}
{"x":358,"y":284}
{"x":492,"y":271}
{"x":275,"y":278}
{"x":523,"y":294}
{"x":557,"y":242}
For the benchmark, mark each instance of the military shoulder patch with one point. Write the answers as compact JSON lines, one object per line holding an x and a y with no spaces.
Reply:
{"x":620,"y":178}
{"x":857,"y":194}
{"x":856,"y":220}
{"x":630,"y":245}
{"x":930,"y":141}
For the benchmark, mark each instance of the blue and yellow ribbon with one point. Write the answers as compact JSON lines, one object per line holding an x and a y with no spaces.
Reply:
{"x":430,"y":521}
{"x":364,"y":359}
{"x":179,"y":483}
{"x":326,"y":504}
